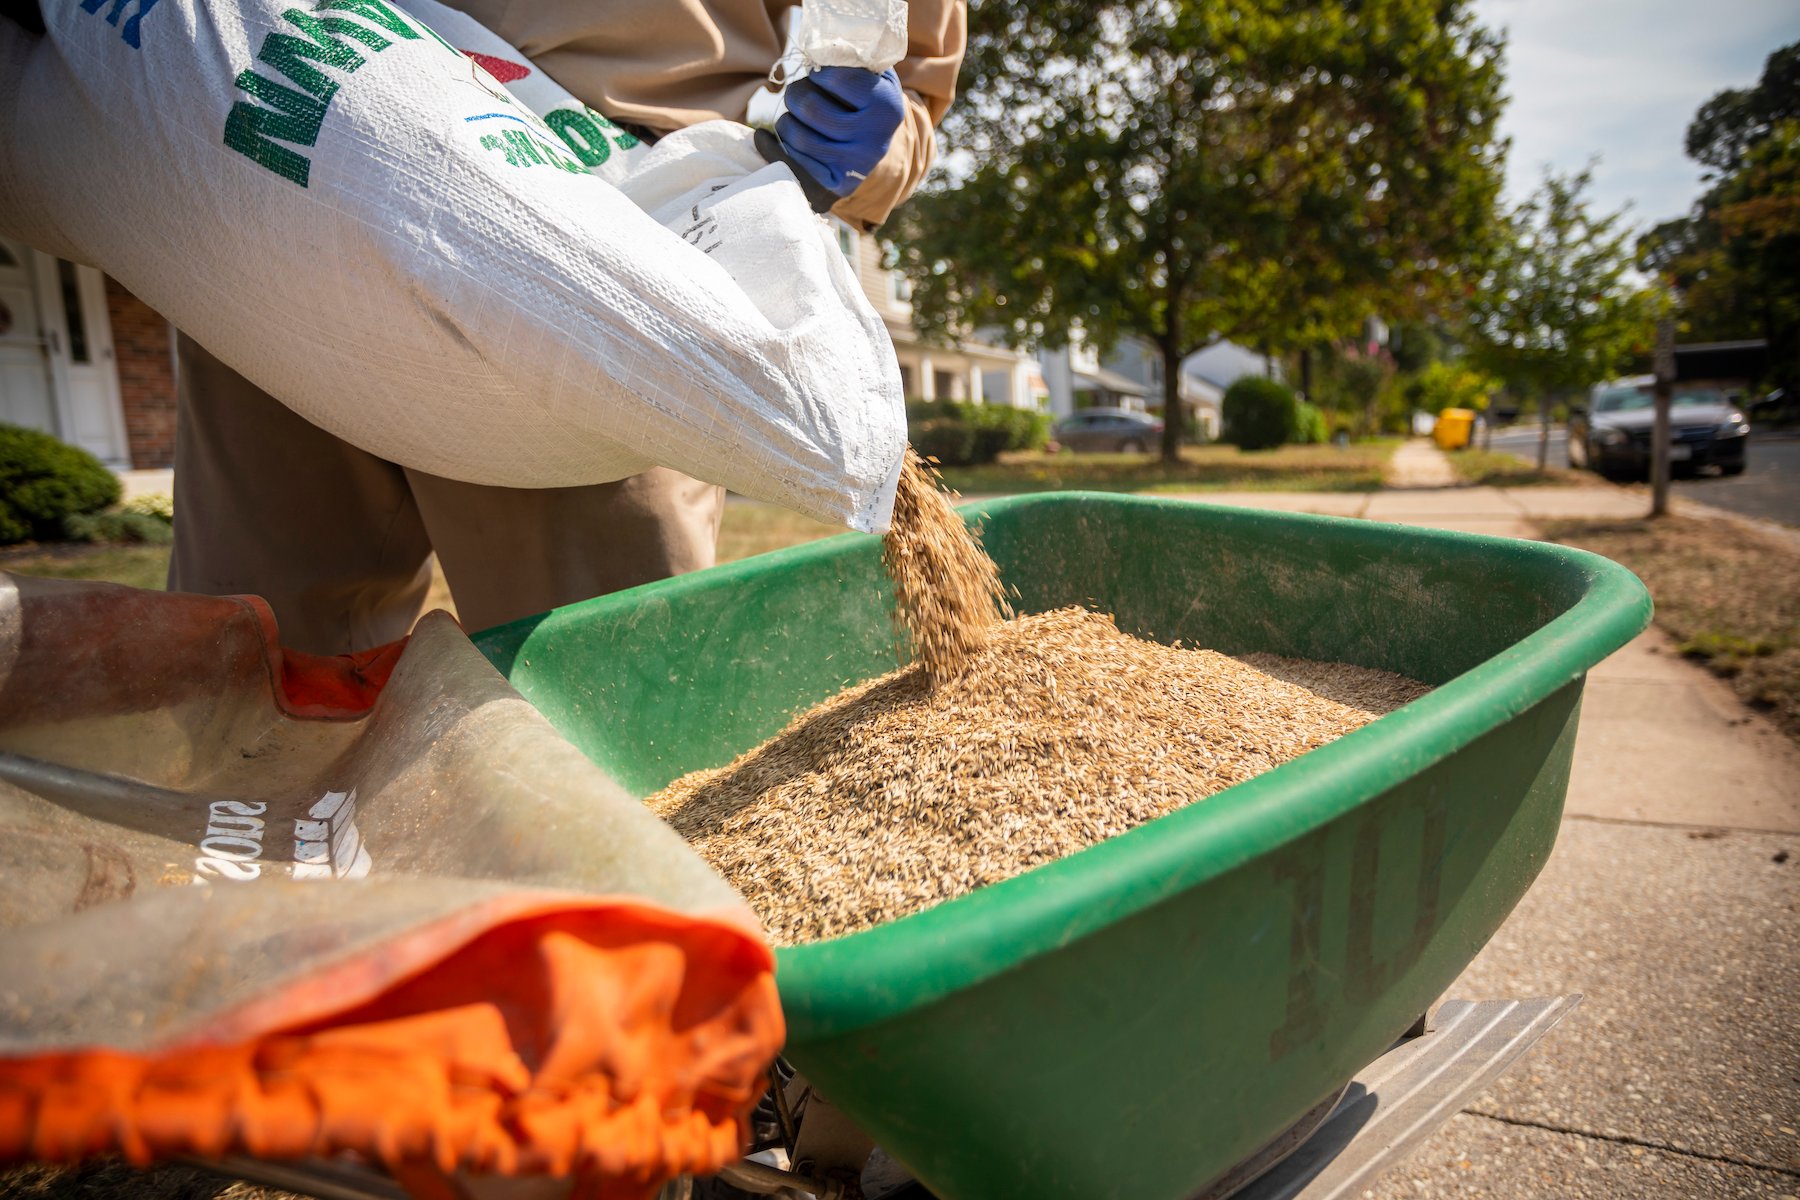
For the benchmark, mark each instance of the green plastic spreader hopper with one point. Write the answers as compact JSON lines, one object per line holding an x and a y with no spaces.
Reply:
{"x":1137,"y":1018}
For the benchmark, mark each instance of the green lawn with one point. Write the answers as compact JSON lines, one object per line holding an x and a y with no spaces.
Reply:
{"x":750,"y":527}
{"x":139,"y":566}
{"x":1491,"y":468}
{"x":1201,"y":469}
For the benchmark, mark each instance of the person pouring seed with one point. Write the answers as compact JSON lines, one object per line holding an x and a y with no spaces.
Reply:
{"x":419,"y":313}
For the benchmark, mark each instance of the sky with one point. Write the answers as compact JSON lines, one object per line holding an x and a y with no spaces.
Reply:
{"x":1620,"y":80}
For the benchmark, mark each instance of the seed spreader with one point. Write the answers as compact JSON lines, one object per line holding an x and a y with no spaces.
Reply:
{"x":1240,"y":998}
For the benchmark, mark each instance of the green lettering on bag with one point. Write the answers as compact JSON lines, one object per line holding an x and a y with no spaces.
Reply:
{"x":493,"y":141}
{"x":580,"y":134}
{"x":524,"y":147}
{"x":522,"y":150}
{"x":379,"y":13}
{"x":296,"y":116}
{"x":292,"y":117}
{"x":319,"y":29}
{"x":285,"y":52}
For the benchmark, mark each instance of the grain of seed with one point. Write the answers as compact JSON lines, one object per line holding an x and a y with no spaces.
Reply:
{"x":915,"y":788}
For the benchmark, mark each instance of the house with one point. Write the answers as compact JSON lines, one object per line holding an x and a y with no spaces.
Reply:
{"x":85,"y":360}
{"x":1076,"y":378}
{"x":1131,"y":376}
{"x":975,"y":370}
{"x":1205,"y":374}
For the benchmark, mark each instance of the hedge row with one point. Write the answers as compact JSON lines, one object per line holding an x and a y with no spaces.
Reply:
{"x":959,"y":435}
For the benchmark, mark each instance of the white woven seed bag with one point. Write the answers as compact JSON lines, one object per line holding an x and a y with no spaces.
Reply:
{"x":603,"y":148}
{"x":354,"y":214}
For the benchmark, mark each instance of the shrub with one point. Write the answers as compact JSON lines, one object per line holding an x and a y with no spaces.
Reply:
{"x":1311,"y":425}
{"x":1260,"y":414}
{"x":989,"y":428}
{"x":1002,"y":427}
{"x":950,"y":442}
{"x":157,"y":505}
{"x":118,"y":525}
{"x":920,"y":411}
{"x":43,"y":482}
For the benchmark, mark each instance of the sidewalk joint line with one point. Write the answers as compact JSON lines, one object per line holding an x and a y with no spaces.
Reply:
{"x":1694,"y":825}
{"x":1623,"y":1139}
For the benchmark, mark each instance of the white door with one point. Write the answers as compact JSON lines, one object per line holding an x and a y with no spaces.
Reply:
{"x":82,"y":371}
{"x":24,"y":350}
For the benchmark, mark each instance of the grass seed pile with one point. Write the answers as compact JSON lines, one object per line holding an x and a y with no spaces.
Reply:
{"x":1004,"y":745}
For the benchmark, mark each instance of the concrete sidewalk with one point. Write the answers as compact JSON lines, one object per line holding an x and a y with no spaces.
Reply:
{"x":1672,"y":903}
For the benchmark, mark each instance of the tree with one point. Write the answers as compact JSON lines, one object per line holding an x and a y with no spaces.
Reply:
{"x":1758,"y":214}
{"x":1719,"y":293}
{"x":1557,"y":309}
{"x":1350,"y":380}
{"x":1727,"y":126}
{"x":1266,"y":170}
{"x":1442,"y":385}
{"x":1734,"y":261}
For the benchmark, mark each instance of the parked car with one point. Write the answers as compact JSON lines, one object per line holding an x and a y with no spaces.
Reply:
{"x":1119,"y":430}
{"x":1612,"y":434}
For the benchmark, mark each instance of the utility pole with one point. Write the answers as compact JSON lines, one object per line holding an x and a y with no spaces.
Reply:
{"x":1659,"y":432}
{"x":1544,"y":403}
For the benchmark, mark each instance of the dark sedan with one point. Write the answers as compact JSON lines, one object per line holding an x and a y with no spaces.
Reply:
{"x":1109,"y":429}
{"x":1612,"y":435}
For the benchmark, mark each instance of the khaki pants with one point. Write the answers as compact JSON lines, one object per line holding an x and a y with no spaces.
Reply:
{"x":338,"y":541}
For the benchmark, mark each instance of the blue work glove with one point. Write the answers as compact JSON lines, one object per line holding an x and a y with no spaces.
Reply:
{"x":839,"y":122}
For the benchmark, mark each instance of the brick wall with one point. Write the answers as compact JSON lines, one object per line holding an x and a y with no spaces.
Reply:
{"x":145,"y":352}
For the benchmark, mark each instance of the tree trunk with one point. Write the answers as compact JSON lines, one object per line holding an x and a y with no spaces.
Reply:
{"x":1306,"y":374}
{"x":1173,"y":414}
{"x":1546,"y":401}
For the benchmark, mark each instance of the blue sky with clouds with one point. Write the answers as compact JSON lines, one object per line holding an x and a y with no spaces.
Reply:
{"x":1620,"y":79}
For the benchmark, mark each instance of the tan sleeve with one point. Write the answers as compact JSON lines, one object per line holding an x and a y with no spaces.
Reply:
{"x":937,"y":34}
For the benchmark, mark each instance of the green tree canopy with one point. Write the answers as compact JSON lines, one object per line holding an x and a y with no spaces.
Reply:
{"x":1559,"y":307}
{"x":1727,"y":126}
{"x":1735,"y":260}
{"x":1269,"y":171}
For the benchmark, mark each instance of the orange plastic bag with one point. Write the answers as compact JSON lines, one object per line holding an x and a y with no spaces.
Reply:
{"x":256,"y":903}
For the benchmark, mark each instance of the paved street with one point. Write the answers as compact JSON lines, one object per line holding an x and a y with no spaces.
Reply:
{"x":1768,"y":489}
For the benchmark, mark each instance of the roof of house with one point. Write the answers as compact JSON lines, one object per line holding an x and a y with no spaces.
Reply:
{"x":1222,"y":363}
{"x":1110,"y":381}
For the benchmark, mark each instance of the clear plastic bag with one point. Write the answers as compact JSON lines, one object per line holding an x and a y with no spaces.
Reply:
{"x":870,"y":34}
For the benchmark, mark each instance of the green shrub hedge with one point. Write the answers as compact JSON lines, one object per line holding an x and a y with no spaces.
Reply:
{"x":44,"y":482}
{"x":1314,"y":429}
{"x":951,"y":443}
{"x":959,"y":435}
{"x":1260,"y":414}
{"x":148,"y":520}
